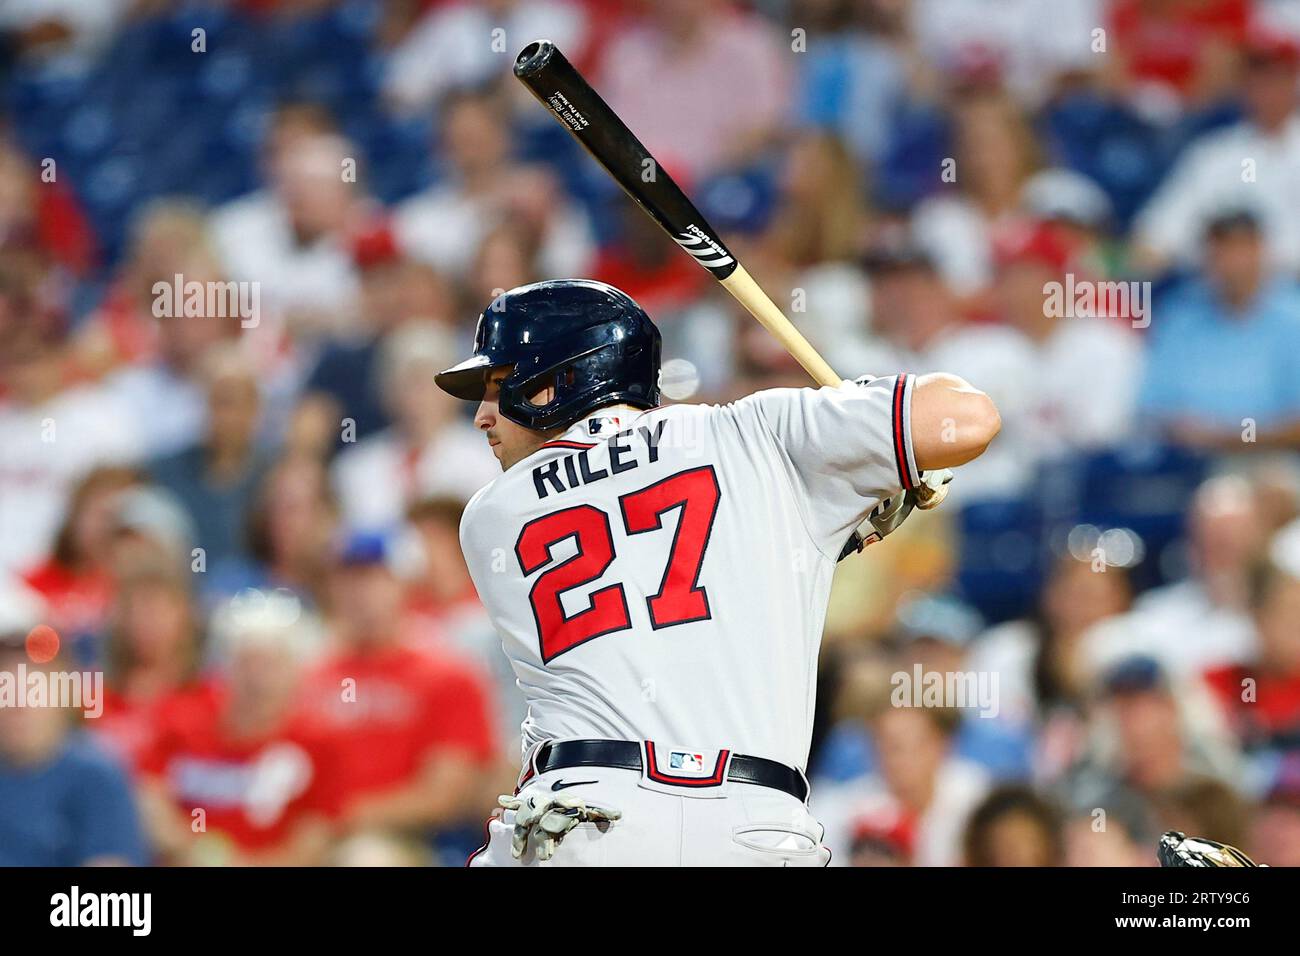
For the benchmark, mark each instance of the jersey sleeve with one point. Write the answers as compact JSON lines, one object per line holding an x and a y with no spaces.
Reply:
{"x":843,"y":449}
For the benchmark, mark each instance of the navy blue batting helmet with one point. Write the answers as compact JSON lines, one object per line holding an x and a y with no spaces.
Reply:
{"x":588,"y":340}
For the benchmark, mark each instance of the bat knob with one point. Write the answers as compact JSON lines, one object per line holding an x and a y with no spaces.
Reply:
{"x":533,"y":57}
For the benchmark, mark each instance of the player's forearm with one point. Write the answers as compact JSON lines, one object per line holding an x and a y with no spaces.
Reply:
{"x":952,"y":421}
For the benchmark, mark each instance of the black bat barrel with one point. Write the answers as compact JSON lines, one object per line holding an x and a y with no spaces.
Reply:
{"x":553,"y":80}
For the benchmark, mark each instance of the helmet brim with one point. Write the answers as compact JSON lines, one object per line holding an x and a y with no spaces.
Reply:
{"x":467,"y":380}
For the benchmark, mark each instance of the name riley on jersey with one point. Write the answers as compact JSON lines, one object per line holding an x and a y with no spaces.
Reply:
{"x":628,"y":449}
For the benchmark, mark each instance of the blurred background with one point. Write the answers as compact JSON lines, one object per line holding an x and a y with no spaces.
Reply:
{"x":250,"y":527}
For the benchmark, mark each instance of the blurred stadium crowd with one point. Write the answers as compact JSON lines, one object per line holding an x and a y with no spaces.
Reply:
{"x":249,"y":522}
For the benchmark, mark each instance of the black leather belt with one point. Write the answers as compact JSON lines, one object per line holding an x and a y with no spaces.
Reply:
{"x":626,"y":755}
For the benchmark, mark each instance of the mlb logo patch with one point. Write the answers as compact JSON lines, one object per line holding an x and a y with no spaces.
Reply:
{"x":601,"y":425}
{"x":686,"y":760}
{"x":701,"y":771}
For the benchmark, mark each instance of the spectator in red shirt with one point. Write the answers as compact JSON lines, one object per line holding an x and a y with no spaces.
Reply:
{"x":413,"y":730}
{"x":1183,"y":47}
{"x":233,"y":776}
{"x":75,"y":580}
{"x":39,"y":212}
{"x":1261,"y":701}
{"x":151,"y":655}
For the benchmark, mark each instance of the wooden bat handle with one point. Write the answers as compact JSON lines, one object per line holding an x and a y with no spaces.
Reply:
{"x":748,"y":293}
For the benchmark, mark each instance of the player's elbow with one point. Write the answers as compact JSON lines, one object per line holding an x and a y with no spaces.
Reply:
{"x":984,"y":424}
{"x":952,"y":422}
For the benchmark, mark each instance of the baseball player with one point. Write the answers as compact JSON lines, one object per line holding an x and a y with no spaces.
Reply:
{"x":659,"y":576}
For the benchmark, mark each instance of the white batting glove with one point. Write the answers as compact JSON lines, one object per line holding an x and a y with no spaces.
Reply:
{"x":933,"y":488}
{"x":548,"y":817}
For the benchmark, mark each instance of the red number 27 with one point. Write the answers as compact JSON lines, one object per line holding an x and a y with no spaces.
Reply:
{"x":680,"y":598}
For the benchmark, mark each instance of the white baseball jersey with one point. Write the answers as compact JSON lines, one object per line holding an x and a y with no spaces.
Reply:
{"x":664,"y":575}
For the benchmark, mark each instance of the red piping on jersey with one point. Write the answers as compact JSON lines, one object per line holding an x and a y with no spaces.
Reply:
{"x":900,"y":440}
{"x":653,"y":772}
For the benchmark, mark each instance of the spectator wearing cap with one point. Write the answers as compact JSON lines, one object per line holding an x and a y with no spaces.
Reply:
{"x":932,"y":632}
{"x":151,"y":528}
{"x":236,"y":757}
{"x":214,"y":480}
{"x":1201,"y":621}
{"x":1041,"y":663}
{"x":293,"y":238}
{"x":1176,"y":52}
{"x":1078,"y":213}
{"x":413,"y":730}
{"x":483,"y":187}
{"x":995,"y":153}
{"x":882,"y":840}
{"x":1143,"y":745}
{"x":343,"y":396}
{"x":428,"y":450}
{"x":1028,"y":44}
{"x":1223,"y":369}
{"x":1213,"y":172}
{"x":1087,"y":368}
{"x":936,"y":632}
{"x":64,"y":800}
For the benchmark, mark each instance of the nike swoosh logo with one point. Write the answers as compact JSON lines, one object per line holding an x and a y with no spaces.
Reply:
{"x":560,"y":784}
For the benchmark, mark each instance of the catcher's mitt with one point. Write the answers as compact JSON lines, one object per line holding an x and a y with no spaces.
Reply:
{"x":1178,"y":850}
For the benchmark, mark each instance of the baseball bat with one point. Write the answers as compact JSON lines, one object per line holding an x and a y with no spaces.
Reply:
{"x":551,"y":78}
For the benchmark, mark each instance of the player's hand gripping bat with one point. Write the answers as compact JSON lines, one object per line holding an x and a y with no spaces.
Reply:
{"x":551,"y":78}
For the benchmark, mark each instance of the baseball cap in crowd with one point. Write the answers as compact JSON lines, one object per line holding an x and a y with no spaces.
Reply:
{"x":155,"y":514}
{"x":1228,"y":219}
{"x":363,"y":549}
{"x":938,"y":617}
{"x":1063,"y":194}
{"x":1136,"y":674}
{"x":375,"y":246}
{"x":1265,"y":46}
{"x":1033,"y":244}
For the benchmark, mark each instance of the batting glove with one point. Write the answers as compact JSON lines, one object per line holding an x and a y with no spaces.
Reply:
{"x":548,"y":817}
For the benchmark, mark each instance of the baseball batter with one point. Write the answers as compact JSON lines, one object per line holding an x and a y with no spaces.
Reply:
{"x":660,"y":575}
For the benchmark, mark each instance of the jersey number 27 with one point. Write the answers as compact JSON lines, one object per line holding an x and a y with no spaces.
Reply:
{"x":680,"y":598}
